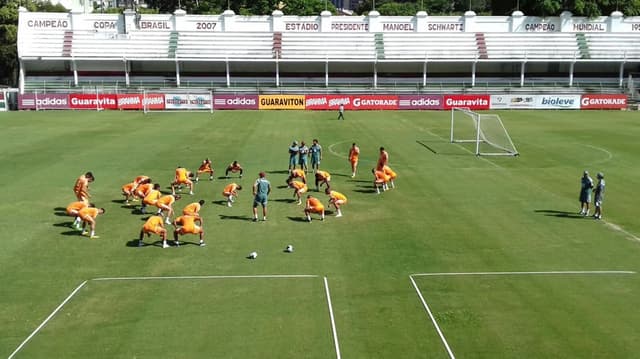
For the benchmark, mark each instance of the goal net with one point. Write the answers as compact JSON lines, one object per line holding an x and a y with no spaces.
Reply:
{"x":485,"y":131}
{"x":156,"y":101}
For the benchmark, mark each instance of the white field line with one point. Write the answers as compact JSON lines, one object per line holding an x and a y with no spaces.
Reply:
{"x":617,"y":228}
{"x":433,"y":319}
{"x":333,"y":326}
{"x":466,"y":149}
{"x":609,"y":154}
{"x":333,"y":322}
{"x":47,"y":320}
{"x":593,"y":272}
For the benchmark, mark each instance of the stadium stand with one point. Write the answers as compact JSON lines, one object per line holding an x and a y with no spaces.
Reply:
{"x":532,"y":46}
{"x":43,"y":44}
{"x":332,"y":46}
{"x":620,"y":45}
{"x":134,"y":45}
{"x":245,"y":46}
{"x":430,"y":46}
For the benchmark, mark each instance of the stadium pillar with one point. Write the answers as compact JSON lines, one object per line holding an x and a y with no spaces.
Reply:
{"x":21,"y":77}
{"x":424,"y":74}
{"x":277,"y":73}
{"x":522,"y":74}
{"x":571,"y":66}
{"x":226,"y":64}
{"x":375,"y":74}
{"x":473,"y":74}
{"x":621,"y":76}
{"x":177,"y":72}
{"x":326,"y":73}
{"x":74,"y":66}
{"x":126,"y":71}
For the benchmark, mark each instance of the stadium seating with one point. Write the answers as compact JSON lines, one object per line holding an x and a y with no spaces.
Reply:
{"x":332,"y":46}
{"x":431,"y":46}
{"x":225,"y":45}
{"x":528,"y":46}
{"x":605,"y":46}
{"x":42,"y":44}
{"x":134,"y":45}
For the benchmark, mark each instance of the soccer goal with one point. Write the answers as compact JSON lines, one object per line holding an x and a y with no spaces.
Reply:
{"x":485,"y":131}
{"x":157,"y":101}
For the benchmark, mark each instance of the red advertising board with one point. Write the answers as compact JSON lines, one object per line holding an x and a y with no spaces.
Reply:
{"x":351,"y":102}
{"x":600,"y":102}
{"x":136,"y":101}
{"x":472,"y":102}
{"x":79,"y":101}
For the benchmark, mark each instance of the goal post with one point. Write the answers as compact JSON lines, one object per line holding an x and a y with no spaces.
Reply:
{"x":485,"y":131}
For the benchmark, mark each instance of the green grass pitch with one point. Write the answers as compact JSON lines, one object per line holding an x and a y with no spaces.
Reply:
{"x":451,"y":212}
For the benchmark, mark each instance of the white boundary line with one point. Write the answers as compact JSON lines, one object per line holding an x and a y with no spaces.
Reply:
{"x":333,"y":322}
{"x":433,"y":319}
{"x":443,"y":274}
{"x":326,"y":286}
{"x":47,"y":320}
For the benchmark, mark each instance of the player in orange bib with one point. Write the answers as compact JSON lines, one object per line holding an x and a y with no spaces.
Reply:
{"x":187,"y":225}
{"x":298,"y":189}
{"x":88,"y":215}
{"x":354,"y":153}
{"x":151,"y":197}
{"x":230,"y":192}
{"x":383,"y":160}
{"x":336,"y":199}
{"x":153,"y":225}
{"x":72,"y":210}
{"x":233,"y":168}
{"x":141,"y":180}
{"x":391,"y":174}
{"x":205,"y":167}
{"x":165,"y":203}
{"x":297,"y":173}
{"x":380,"y":180}
{"x":193,"y":209}
{"x":313,"y":206}
{"x":81,"y":187}
{"x":322,"y":177}
{"x":182,"y":177}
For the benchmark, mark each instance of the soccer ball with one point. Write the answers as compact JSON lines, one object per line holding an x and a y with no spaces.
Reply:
{"x":253,"y":255}
{"x":289,"y":249}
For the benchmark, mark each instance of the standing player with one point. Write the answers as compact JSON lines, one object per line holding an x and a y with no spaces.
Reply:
{"x":598,"y":196}
{"x":187,"y":225}
{"x":233,"y":168}
{"x":261,"y":190}
{"x":298,"y":189}
{"x":316,"y":155}
{"x":72,"y":210}
{"x":336,"y":199}
{"x":383,"y":160}
{"x":230,"y":192}
{"x":205,"y":167}
{"x":586,"y":184}
{"x":81,"y":187}
{"x":88,"y":215}
{"x":153,"y":225}
{"x":193,"y":209}
{"x":341,"y":112}
{"x":313,"y":206}
{"x":391,"y":175}
{"x":293,"y":155}
{"x":354,"y":153}
{"x":322,"y":177}
{"x":165,"y":203}
{"x":182,"y":177}
{"x":303,"y":153}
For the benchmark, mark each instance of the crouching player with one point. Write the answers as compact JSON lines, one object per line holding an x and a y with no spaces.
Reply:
{"x":322,"y":177}
{"x":193,"y":209}
{"x":72,"y":210}
{"x":165,"y":203}
{"x":154,"y":225}
{"x":205,"y":167}
{"x":336,"y":199}
{"x":298,"y":189}
{"x":391,"y":174}
{"x":182,"y":177}
{"x":129,"y":189}
{"x":380,"y":180}
{"x":233,"y":168}
{"x":187,"y":225}
{"x":313,"y":206}
{"x":230,"y":192}
{"x":88,"y":215}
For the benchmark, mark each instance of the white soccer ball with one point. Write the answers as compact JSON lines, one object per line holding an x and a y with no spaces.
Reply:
{"x":289,"y":249}
{"x":253,"y":255}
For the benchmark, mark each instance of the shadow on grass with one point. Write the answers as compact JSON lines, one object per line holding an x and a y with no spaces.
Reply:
{"x":220,"y":202}
{"x":279,"y":172}
{"x":240,"y":218}
{"x":134,"y":244}
{"x":370,"y":190}
{"x":73,"y":233}
{"x":61,"y":214}
{"x":560,"y":214}
{"x":228,"y":177}
{"x":59,"y":209}
{"x":298,"y":219}
{"x":283,"y":186}
{"x":120,"y":201}
{"x":285,"y":200}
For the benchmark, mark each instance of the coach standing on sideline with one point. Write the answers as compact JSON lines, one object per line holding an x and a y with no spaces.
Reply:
{"x":261,"y":190}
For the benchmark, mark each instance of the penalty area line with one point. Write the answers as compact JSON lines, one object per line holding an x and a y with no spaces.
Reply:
{"x":46,"y":320}
{"x":333,"y":321}
{"x":210,"y":277}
